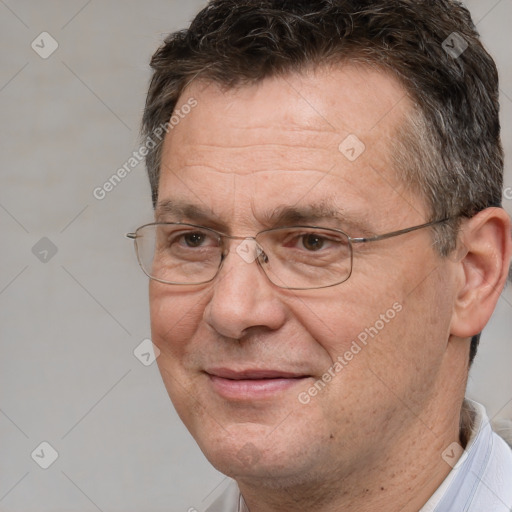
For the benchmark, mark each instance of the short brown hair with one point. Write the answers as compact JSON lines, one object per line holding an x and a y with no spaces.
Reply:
{"x":449,"y":149}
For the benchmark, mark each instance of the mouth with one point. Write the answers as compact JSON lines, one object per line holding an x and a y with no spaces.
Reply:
{"x":252,"y":384}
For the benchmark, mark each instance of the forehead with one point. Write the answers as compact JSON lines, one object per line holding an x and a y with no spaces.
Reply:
{"x":325,"y":134}
{"x":337,"y":100}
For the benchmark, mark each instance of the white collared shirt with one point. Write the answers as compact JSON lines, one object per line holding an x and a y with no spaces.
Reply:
{"x":481,"y":481}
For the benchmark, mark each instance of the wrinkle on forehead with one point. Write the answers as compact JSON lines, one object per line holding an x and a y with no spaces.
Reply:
{"x":277,"y":143}
{"x":295,"y":121}
{"x":335,"y":97}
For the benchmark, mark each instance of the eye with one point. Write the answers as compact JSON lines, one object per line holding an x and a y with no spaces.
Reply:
{"x":181,"y":239}
{"x":313,"y":242}
{"x":194,"y":239}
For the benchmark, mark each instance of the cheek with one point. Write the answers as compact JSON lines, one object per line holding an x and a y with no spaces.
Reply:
{"x":175,"y":317}
{"x":343,"y":318}
{"x":373,"y":336}
{"x":406,"y":355}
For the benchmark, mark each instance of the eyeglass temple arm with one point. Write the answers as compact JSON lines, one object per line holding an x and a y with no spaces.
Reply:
{"x":397,"y":233}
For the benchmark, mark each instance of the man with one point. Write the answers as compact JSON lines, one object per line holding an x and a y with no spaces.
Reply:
{"x":328,"y":245}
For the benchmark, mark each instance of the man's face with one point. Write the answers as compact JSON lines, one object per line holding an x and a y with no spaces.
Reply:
{"x":240,"y":357}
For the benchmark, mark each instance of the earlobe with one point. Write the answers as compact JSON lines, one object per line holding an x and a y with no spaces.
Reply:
{"x":483,"y":270}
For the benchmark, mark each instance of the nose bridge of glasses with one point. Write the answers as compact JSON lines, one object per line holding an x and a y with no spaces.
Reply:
{"x":248,"y":249}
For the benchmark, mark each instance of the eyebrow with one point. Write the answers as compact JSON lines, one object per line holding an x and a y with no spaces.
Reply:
{"x":283,"y":215}
{"x":287,"y":215}
{"x":194,"y":213}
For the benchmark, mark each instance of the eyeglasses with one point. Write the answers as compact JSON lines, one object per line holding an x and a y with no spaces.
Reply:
{"x":293,"y":258}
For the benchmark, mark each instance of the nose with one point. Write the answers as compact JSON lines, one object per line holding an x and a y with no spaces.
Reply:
{"x":243,"y":297}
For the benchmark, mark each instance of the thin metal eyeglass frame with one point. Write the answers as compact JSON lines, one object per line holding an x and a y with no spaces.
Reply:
{"x":222,"y":236}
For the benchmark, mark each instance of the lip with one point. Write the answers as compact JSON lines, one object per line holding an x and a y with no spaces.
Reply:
{"x":252,"y":384}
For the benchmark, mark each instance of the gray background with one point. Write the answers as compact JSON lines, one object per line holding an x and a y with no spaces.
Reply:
{"x":69,"y":325}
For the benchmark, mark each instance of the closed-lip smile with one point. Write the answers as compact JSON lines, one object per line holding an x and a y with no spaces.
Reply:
{"x":249,"y":374}
{"x":251,"y":384}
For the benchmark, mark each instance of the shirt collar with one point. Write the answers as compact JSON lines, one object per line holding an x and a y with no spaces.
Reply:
{"x":464,"y":483}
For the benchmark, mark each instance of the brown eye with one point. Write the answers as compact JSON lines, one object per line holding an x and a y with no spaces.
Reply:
{"x":313,"y":242}
{"x":194,"y":239}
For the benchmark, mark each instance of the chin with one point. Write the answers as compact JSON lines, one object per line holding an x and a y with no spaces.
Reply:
{"x":248,"y":455}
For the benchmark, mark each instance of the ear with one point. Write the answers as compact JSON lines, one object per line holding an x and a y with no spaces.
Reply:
{"x":483,"y":271}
